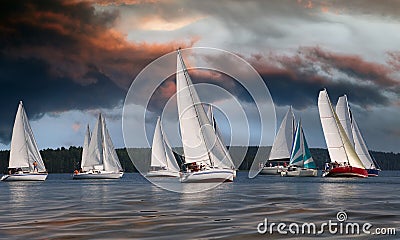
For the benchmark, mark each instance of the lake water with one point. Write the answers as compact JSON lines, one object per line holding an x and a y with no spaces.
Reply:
{"x":133,"y":208}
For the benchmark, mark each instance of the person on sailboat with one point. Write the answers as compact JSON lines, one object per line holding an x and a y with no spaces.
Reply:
{"x":35,"y":168}
{"x":327,"y":166}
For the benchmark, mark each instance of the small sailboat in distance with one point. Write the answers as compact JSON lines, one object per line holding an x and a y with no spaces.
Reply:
{"x":354,"y":134}
{"x":163,"y":162}
{"x":344,"y":160}
{"x":204,"y":153}
{"x":25,"y":163}
{"x":282,"y":146}
{"x":100,"y":161}
{"x":301,"y":162}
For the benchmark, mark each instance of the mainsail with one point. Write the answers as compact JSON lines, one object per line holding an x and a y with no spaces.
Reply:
{"x":101,"y":153}
{"x":95,"y":150}
{"x":339,"y":147}
{"x":353,"y":132}
{"x":24,"y":151}
{"x":162,"y":155}
{"x":282,"y":146}
{"x":301,"y":155}
{"x":200,"y":143}
{"x":344,"y":115}
{"x":85,"y":147}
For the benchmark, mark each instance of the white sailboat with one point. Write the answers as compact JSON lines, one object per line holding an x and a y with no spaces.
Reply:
{"x":163,"y":162}
{"x":282,"y":146}
{"x":25,"y":163}
{"x":353,"y":133}
{"x":344,"y":160}
{"x":100,"y":160}
{"x":211,"y":118}
{"x":204,"y":154}
{"x":301,"y":162}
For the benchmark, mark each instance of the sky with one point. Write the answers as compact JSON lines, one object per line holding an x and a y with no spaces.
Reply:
{"x":68,"y":60}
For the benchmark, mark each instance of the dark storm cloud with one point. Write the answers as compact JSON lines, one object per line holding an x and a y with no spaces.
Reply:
{"x":296,"y":80}
{"x":64,"y":55}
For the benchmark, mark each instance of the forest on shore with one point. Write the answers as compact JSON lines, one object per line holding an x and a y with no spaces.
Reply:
{"x":66,"y":160}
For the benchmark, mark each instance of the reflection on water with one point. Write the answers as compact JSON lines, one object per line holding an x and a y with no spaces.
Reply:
{"x":61,"y":208}
{"x":174,"y":184}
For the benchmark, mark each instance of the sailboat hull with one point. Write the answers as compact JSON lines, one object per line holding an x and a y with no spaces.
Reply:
{"x":102,"y":175}
{"x":24,"y":177}
{"x":373,"y":172}
{"x":162,"y":174}
{"x":300,"y":172}
{"x":209,"y":175}
{"x":346,"y":171}
{"x":273,"y":170}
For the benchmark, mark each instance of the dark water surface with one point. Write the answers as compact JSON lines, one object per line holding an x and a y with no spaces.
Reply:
{"x":133,"y":208}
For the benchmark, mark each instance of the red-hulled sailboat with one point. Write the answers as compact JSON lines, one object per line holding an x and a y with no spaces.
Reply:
{"x":344,"y":160}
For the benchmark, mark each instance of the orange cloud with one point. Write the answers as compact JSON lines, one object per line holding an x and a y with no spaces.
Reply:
{"x":76,"y":126}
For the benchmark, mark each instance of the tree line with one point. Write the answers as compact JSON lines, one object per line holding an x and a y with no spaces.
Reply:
{"x":66,"y":160}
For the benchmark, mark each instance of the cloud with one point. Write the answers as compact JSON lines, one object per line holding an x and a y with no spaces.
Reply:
{"x":76,"y":126}
{"x":296,"y":79}
{"x":65,"y":55}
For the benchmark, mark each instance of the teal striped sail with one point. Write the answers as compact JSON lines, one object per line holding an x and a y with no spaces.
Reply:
{"x":301,"y":155}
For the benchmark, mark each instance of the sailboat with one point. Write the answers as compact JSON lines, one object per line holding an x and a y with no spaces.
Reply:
{"x":282,"y":146}
{"x":344,"y":159}
{"x":25,"y":163}
{"x":163,"y":162}
{"x":204,"y":153}
{"x":99,"y":158}
{"x":354,"y":134}
{"x":211,"y":118}
{"x":301,"y":162}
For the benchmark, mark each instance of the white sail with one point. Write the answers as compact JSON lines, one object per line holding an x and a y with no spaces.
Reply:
{"x":110,"y":157}
{"x":301,"y":155}
{"x":282,"y":146}
{"x":189,"y":109}
{"x":361,"y":148}
{"x":24,"y":151}
{"x":158,"y":155}
{"x":228,"y":163}
{"x":95,"y":150}
{"x":161,"y":153}
{"x":339,"y":147}
{"x":85,"y":148}
{"x":200,"y":143}
{"x":170,"y":157}
{"x":344,"y":115}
